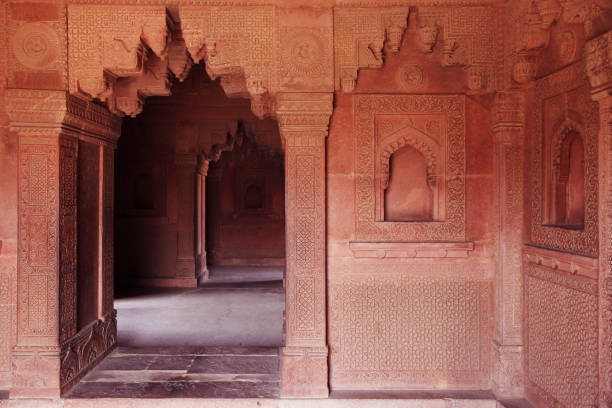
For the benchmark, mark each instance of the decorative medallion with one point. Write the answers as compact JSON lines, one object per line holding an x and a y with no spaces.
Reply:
{"x":35,"y":45}
{"x":411,"y":76}
{"x":304,"y":52}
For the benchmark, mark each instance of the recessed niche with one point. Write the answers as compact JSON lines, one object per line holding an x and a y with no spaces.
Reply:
{"x":408,"y":196}
{"x":253,"y":197}
{"x":566,"y":182}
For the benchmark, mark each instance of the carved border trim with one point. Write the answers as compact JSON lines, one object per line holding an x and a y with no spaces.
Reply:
{"x":411,"y":249}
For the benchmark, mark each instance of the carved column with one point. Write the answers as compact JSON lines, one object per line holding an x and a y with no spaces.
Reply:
{"x":46,"y":202}
{"x":303,"y":121}
{"x":201,"y":172}
{"x":50,"y":355}
{"x":508,"y":124}
{"x":598,"y":61}
{"x":186,"y":194}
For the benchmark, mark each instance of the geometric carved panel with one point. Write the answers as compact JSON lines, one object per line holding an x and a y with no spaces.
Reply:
{"x":434,"y":125}
{"x":38,"y":222}
{"x":561,"y":337}
{"x":563,"y":99}
{"x":398,"y":332}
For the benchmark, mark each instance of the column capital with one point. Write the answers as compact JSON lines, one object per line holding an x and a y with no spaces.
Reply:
{"x":304,"y":114}
{"x":508,"y":113}
{"x":202,"y":165}
{"x":598,"y":65}
{"x":37,"y":111}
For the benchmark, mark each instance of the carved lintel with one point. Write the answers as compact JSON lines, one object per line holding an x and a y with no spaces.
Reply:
{"x":411,"y":249}
{"x":598,"y":65}
{"x":37,"y":111}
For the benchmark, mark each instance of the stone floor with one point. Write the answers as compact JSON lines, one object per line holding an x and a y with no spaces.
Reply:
{"x":217,"y":341}
{"x":184,"y":372}
{"x":231,"y":309}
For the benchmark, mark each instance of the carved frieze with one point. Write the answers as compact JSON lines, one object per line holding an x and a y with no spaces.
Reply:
{"x":439,"y":119}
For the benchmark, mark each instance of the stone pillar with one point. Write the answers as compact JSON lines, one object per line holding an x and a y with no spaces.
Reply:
{"x":201,"y":172}
{"x":186,"y":194}
{"x":598,"y":62}
{"x":45,"y":189}
{"x":303,"y":121}
{"x":49,"y":355}
{"x":508,"y":124}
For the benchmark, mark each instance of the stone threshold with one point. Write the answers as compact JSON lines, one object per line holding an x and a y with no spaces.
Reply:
{"x":250,"y":402}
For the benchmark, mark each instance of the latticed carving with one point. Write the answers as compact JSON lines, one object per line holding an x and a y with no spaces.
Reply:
{"x":561,"y":337}
{"x":396,"y":330}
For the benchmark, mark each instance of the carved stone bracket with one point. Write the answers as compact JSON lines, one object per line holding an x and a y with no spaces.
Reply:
{"x":534,"y":37}
{"x":359,"y":34}
{"x":109,"y":43}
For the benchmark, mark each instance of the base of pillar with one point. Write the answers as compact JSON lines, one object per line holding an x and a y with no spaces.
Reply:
{"x":202,"y":273}
{"x":304,"y":372}
{"x":507,"y":371}
{"x":36,"y":372}
{"x":162,"y":282}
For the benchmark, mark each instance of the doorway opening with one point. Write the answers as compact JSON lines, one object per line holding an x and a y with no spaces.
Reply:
{"x":199,"y":250}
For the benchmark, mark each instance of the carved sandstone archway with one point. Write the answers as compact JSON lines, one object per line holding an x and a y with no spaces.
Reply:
{"x":118,"y":58}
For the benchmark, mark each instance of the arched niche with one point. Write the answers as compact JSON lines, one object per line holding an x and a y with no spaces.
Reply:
{"x":567,"y":184}
{"x":408,"y":195}
{"x":410,"y":182}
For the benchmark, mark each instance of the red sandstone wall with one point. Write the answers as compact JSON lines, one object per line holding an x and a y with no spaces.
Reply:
{"x":8,"y":227}
{"x":237,"y":235}
{"x":410,"y":316}
{"x":560,"y":282}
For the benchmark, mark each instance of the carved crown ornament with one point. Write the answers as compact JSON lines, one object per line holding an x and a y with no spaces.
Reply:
{"x":535,"y":26}
{"x":121,"y":57}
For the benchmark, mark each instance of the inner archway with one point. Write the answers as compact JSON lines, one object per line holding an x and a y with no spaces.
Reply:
{"x":199,"y":245}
